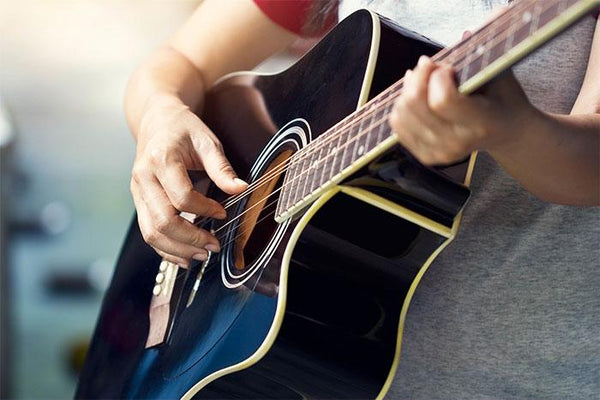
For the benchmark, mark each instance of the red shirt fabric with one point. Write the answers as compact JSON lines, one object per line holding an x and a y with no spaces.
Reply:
{"x":292,"y":14}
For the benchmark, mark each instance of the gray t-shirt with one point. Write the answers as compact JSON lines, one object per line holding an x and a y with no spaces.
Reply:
{"x":510,"y":309}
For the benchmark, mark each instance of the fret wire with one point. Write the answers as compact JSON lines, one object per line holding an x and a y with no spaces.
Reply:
{"x":282,"y":202}
{"x":362,"y":142}
{"x":508,"y":44}
{"x":353,"y":157}
{"x":347,"y":153}
{"x":334,"y":147}
{"x":535,"y":19}
{"x":337,"y":164}
{"x":347,"y":156}
{"x":562,"y":5}
{"x":295,"y":176}
{"x":379,"y":132}
{"x":327,"y":156}
{"x":310,"y":173}
{"x":321,"y":154}
{"x":331,"y":171}
{"x":310,"y":164}
{"x":550,"y":13}
{"x":486,"y":55}
{"x":286,"y":182}
{"x":302,"y":176}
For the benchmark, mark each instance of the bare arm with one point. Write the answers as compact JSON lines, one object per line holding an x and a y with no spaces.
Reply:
{"x":555,"y":157}
{"x":217,"y":39}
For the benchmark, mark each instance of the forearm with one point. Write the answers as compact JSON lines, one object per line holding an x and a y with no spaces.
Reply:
{"x":166,"y":77}
{"x":557,"y":158}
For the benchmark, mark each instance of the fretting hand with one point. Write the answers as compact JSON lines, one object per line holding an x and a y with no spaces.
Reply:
{"x":439,"y":125}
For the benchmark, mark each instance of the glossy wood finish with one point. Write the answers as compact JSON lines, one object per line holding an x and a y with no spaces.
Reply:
{"x":349,"y":272}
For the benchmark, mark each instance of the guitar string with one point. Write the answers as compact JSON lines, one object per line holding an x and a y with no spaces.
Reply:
{"x":356,"y":116}
{"x":276,"y":172}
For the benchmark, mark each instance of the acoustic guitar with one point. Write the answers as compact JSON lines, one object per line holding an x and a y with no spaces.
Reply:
{"x":321,"y":255}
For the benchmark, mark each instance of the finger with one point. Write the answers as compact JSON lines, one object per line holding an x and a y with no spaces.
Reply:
{"x":412,"y":129}
{"x":444,"y":99}
{"x":415,"y":136}
{"x":143,"y":220}
{"x":181,"y":194}
{"x":416,"y":83}
{"x":173,"y":251}
{"x":416,"y":92}
{"x":166,"y":230}
{"x":175,"y":260}
{"x":219,"y":169}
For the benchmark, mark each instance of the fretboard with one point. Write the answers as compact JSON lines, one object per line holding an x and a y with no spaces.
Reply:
{"x":365,"y":134}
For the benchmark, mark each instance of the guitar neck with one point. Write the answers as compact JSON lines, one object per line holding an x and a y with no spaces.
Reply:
{"x":513,"y":35}
{"x":365,"y":134}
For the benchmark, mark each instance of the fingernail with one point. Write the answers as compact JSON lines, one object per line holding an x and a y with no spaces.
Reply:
{"x":423,"y":60}
{"x":407,"y":73}
{"x":221,"y":214}
{"x":200,"y":256}
{"x":240,"y":182}
{"x":212,"y":247}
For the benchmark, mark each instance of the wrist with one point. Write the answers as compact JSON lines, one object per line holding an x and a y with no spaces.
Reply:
{"x":156,"y":108}
{"x":518,"y":132}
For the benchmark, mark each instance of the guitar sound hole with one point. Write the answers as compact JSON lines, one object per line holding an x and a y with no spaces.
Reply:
{"x":257,"y":224}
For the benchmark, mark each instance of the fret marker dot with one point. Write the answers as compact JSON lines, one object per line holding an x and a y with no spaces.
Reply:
{"x":361,"y":150}
{"x":480,"y":49}
{"x":527,"y":17}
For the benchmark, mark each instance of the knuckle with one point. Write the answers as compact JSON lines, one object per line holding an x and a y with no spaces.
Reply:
{"x":182,"y":199}
{"x":225,"y":167}
{"x":151,"y":237}
{"x":200,"y":239}
{"x":441,"y":102}
{"x":139,"y":171}
{"x":209,"y":143}
{"x":162,"y":224}
{"x":394,"y":119}
{"x":158,"y":156}
{"x":411,"y":98}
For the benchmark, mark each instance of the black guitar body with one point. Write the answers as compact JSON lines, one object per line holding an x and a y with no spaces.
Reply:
{"x":315,"y":311}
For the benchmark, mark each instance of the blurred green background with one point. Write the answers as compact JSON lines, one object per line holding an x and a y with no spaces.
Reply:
{"x":66,"y":155}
